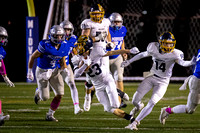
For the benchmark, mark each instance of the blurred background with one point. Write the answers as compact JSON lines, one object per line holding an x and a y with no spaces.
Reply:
{"x":145,"y":20}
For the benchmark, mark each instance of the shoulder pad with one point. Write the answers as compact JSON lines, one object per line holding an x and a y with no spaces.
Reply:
{"x":178,"y":53}
{"x":86,"y":24}
{"x":153,"y":47}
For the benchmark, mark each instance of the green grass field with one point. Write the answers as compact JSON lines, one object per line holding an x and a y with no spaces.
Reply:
{"x":26,"y":117}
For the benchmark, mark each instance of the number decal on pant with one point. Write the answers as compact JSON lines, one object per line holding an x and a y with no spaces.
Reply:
{"x":94,"y":70}
{"x":160,"y":66}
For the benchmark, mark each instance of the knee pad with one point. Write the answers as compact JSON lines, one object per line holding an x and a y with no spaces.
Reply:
{"x":136,"y":98}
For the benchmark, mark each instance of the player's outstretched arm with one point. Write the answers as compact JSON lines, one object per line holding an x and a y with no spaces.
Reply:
{"x":186,"y":63}
{"x":135,"y":58}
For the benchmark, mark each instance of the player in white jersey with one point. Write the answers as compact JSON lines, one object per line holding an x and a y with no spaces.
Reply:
{"x":92,"y":64}
{"x":97,"y":28}
{"x":164,"y":56}
{"x":69,"y":79}
{"x":193,"y":100}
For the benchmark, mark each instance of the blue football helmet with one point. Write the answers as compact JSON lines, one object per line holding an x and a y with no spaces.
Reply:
{"x":167,"y":38}
{"x":3,"y":36}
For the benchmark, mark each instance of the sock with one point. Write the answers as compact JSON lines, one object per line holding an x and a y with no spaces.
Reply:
{"x":51,"y":112}
{"x":179,"y":109}
{"x":168,"y":110}
{"x":55,"y":103}
{"x":127,"y":116}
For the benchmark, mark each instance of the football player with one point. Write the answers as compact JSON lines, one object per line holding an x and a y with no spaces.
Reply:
{"x":164,"y":56}
{"x":71,"y":40}
{"x":193,"y":97}
{"x":117,"y":32}
{"x":3,"y":42}
{"x":92,"y":64}
{"x":97,"y":28}
{"x":49,"y":52}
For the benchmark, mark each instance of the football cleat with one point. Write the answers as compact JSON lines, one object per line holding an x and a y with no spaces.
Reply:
{"x":37,"y":97}
{"x":132,"y":126}
{"x":163,"y":115}
{"x":78,"y":110}
{"x":87,"y":103}
{"x":3,"y":118}
{"x":135,"y":110}
{"x":50,"y":117}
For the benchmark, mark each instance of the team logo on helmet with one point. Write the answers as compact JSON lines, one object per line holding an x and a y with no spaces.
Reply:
{"x":167,"y":38}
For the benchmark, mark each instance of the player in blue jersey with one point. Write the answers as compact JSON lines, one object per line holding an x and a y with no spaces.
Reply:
{"x":49,"y":52}
{"x":71,"y":40}
{"x":193,"y":97}
{"x":3,"y":42}
{"x":117,"y":32}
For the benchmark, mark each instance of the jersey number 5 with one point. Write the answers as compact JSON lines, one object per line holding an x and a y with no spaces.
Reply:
{"x":94,"y":70}
{"x":160,"y":66}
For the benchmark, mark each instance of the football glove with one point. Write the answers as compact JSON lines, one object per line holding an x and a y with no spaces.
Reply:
{"x":193,"y":60}
{"x":111,"y":45}
{"x":30,"y":74}
{"x":87,"y":61}
{"x":75,"y":60}
{"x":125,"y":63}
{"x":134,"y":50}
{"x":8,"y":82}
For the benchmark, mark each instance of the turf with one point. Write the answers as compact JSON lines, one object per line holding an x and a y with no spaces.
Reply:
{"x":27,"y":117}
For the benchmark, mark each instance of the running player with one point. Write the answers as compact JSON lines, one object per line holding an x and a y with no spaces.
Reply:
{"x":71,"y":40}
{"x":97,"y":28}
{"x":93,"y":65}
{"x":193,"y":97}
{"x":164,"y":56}
{"x":49,"y":52}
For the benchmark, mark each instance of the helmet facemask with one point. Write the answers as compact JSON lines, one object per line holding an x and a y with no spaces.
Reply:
{"x":57,"y":34}
{"x":83,"y":45}
{"x":116,"y":21}
{"x":97,"y":13}
{"x":3,"y":36}
{"x":167,"y":42}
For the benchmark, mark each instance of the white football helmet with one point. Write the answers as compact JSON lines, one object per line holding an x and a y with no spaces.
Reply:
{"x":57,"y":34}
{"x":116,"y":17}
{"x":3,"y":36}
{"x":67,"y":25}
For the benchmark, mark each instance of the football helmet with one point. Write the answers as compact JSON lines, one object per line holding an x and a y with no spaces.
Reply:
{"x":167,"y":38}
{"x":67,"y":25}
{"x":116,"y":17}
{"x":97,"y":9}
{"x":84,"y":44}
{"x":57,"y":34}
{"x":3,"y":36}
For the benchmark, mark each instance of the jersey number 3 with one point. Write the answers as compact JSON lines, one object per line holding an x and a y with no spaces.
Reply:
{"x":94,"y":70}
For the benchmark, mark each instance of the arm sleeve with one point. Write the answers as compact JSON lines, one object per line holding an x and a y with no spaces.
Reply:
{"x":184,"y":63}
{"x":2,"y":68}
{"x":139,"y":56}
{"x":78,"y":72}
